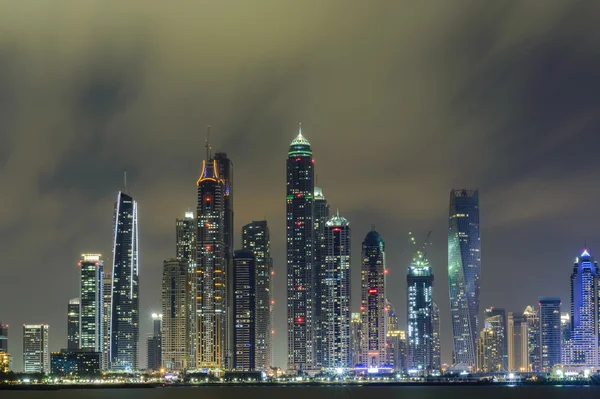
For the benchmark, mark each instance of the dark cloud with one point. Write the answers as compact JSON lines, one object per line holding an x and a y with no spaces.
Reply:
{"x":401,"y":102}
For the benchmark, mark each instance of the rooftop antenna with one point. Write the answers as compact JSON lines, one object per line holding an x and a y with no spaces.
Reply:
{"x":208,"y":148}
{"x":125,"y":181}
{"x":299,"y":128}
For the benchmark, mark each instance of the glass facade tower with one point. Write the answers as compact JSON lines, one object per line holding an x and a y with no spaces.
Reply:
{"x":36,"y":349}
{"x":321,"y":215}
{"x":550,"y":333}
{"x":73,"y":324}
{"x":176,"y":298}
{"x":244,"y":311}
{"x":125,"y":308}
{"x":464,"y":270}
{"x":300,"y":256}
{"x":91,"y":302}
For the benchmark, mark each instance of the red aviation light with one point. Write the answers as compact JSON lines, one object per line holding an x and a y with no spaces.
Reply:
{"x":300,"y":320}
{"x":298,"y":195}
{"x":362,"y":308}
{"x":97,"y":264}
{"x":272,"y":302}
{"x":78,"y":264}
{"x":208,"y":247}
{"x":298,"y":159}
{"x":373,"y":291}
{"x":299,"y":287}
{"x":272,"y":331}
{"x":207,"y":199}
{"x":385,"y":271}
{"x":336,"y":229}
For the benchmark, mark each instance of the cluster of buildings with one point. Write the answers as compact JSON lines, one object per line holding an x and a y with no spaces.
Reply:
{"x":217,"y":297}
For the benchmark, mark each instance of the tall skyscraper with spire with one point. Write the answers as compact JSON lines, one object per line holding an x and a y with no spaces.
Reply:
{"x":300,"y":253}
{"x":125,"y":308}
{"x":374,"y":307}
{"x":212,"y":267}
{"x":321,"y":215}
{"x":336,"y":332}
{"x":256,"y":237}
{"x":464,"y":270}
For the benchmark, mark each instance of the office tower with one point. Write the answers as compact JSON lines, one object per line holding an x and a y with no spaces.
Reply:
{"x":373,"y":303}
{"x":532,"y":322}
{"x":106,"y":313}
{"x":36,"y":352}
{"x":565,"y":327}
{"x":464,"y":269}
{"x":91,"y":302}
{"x":517,"y":343}
{"x":300,"y":256}
{"x":396,"y":353}
{"x":320,"y":215}
{"x":212,"y":268}
{"x":125,"y":311}
{"x":436,"y":362}
{"x":153,"y":344}
{"x":176,"y":298}
{"x":355,"y":338}
{"x":336,"y":328}
{"x":582,"y":349}
{"x":80,"y":363}
{"x":256,"y":237}
{"x":73,"y":324}
{"x":420,"y":314}
{"x":186,"y":250}
{"x":550,"y":333}
{"x":484,"y":350}
{"x":495,"y":340}
{"x":391,"y":316}
{"x":3,"y":338}
{"x":244,"y":310}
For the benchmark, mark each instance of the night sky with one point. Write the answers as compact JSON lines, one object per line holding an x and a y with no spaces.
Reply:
{"x":401,"y":101}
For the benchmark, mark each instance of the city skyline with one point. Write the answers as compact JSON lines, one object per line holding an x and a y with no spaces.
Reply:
{"x":475,"y":100}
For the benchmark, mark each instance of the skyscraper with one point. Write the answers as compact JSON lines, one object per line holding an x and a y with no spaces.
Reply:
{"x":320,"y":215}
{"x":436,"y":362}
{"x":464,"y":270}
{"x":36,"y":351}
{"x":106,"y":318}
{"x":356,"y":338}
{"x":256,"y":237}
{"x":517,"y":343}
{"x":73,"y":324}
{"x":175,"y":298}
{"x":420,"y":314}
{"x":186,"y":251}
{"x":532,"y":321}
{"x":396,"y":351}
{"x":550,"y":333}
{"x":300,"y":256}
{"x":244,"y":310}
{"x":373,"y":306}
{"x":391,"y":316}
{"x":91,"y":302}
{"x":3,"y":337}
{"x":582,"y":349}
{"x":153,"y":344}
{"x":124,"y":325}
{"x":336,"y":335}
{"x":496,"y":341}
{"x":211,"y":269}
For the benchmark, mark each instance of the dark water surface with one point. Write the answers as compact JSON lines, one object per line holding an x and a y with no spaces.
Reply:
{"x":296,"y":392}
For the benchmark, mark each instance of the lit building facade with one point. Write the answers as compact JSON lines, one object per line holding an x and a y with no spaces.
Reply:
{"x":582,"y":348}
{"x":73,"y":324}
{"x":320,"y":217}
{"x":517,"y":343}
{"x":211,"y":269}
{"x":244,"y":310}
{"x":396,"y":351}
{"x":256,"y":237}
{"x":464,"y":270}
{"x":80,"y":363}
{"x":496,"y":356}
{"x":550,"y":333}
{"x":125,"y":308}
{"x":436,"y":362}
{"x":356,"y":338}
{"x":91,"y":302}
{"x":4,"y":355}
{"x":36,"y":351}
{"x":374,"y":308}
{"x":420,"y":314}
{"x":186,"y":251}
{"x":532,"y":320}
{"x":154,"y":344}
{"x":106,"y":303}
{"x":4,"y":362}
{"x":175,"y":325}
{"x":391,"y":316}
{"x":300,"y":255}
{"x":337,"y":310}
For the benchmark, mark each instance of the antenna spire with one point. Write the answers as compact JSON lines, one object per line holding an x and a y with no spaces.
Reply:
{"x":207,"y":145}
{"x":299,"y":128}
{"x":125,"y":181}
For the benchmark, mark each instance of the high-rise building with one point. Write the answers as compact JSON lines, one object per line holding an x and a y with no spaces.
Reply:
{"x":495,"y":340}
{"x":420,"y":314}
{"x":517,"y":343}
{"x":321,"y":215}
{"x":373,"y":303}
{"x":391,"y":316}
{"x":436,"y":362}
{"x":464,"y":270}
{"x":73,"y":324}
{"x":4,"y":362}
{"x":565,"y":328}
{"x":36,"y":352}
{"x":336,"y":332}
{"x":256,"y":237}
{"x":186,"y":251}
{"x":550,"y":333}
{"x":396,"y":352}
{"x":4,"y":356}
{"x":80,"y":362}
{"x":212,"y":269}
{"x":582,"y":349}
{"x":244,"y":310}
{"x":532,"y":322}
{"x":106,"y":318}
{"x":175,"y":326}
{"x":91,"y":302}
{"x":300,"y":254}
{"x":355,"y":338}
{"x":486,"y":351}
{"x":125,"y":308}
{"x":154,"y":344}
